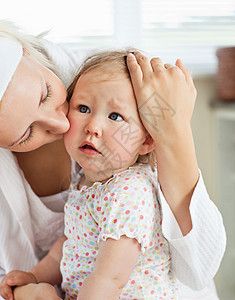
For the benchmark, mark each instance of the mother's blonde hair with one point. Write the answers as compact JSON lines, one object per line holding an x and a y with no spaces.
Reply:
{"x":31,"y":44}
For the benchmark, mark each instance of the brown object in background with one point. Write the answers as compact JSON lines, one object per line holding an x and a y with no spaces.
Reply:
{"x":225,"y":77}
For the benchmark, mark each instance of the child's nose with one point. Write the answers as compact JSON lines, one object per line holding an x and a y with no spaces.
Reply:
{"x":93,"y":128}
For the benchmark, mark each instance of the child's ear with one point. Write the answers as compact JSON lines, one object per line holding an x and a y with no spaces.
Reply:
{"x":147,"y":146}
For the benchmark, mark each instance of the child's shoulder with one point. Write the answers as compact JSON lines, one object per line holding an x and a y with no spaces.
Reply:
{"x":136,"y":175}
{"x":138,"y":171}
{"x":138,"y":184}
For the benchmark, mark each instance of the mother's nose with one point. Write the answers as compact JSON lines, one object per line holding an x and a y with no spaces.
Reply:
{"x":54,"y":123}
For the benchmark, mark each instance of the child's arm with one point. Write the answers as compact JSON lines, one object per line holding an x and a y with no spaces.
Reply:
{"x":166,"y":97}
{"x":115,"y":262}
{"x":48,"y":270}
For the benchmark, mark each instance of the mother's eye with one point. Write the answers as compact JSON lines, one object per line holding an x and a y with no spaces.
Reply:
{"x":115,"y":117}
{"x":48,"y":93}
{"x":84,"y":109}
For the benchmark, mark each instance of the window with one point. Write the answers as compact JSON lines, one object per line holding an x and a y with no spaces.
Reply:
{"x":189,"y":29}
{"x":87,"y":23}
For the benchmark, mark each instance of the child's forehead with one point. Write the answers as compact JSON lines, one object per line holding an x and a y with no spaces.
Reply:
{"x":114,"y":89}
{"x":109,"y":72}
{"x":103,"y":76}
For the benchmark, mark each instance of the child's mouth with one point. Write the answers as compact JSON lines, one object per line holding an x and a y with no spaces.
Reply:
{"x":89,"y":149}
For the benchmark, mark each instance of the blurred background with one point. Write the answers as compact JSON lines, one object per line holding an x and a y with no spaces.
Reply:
{"x":171,"y":29}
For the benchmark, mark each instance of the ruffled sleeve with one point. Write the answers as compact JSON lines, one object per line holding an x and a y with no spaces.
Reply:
{"x":129,"y":209}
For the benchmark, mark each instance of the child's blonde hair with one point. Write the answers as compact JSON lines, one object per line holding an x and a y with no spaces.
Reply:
{"x":112,"y":62}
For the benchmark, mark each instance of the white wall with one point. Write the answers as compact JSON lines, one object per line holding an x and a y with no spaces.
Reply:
{"x":202,"y":126}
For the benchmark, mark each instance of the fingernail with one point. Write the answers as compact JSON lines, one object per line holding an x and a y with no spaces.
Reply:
{"x":130,"y":56}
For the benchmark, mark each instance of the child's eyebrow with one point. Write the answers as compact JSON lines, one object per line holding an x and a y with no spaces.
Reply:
{"x":83,"y":97}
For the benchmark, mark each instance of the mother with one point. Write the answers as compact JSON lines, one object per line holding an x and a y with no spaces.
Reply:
{"x":35,"y":168}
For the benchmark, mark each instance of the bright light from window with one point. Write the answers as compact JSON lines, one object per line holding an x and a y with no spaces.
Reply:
{"x":178,"y":10}
{"x":190,"y":29}
{"x":66,"y":20}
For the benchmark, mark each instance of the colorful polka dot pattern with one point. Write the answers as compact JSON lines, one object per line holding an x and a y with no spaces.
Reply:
{"x":125,"y":205}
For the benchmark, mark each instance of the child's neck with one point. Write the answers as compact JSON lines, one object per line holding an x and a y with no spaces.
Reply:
{"x":84,"y":181}
{"x":89,"y":177}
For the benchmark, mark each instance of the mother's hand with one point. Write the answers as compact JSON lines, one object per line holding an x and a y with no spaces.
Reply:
{"x":165,"y":94}
{"x":32,"y":291}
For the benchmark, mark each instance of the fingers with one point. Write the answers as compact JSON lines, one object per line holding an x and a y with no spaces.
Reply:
{"x":6,"y":291}
{"x":143,"y":71}
{"x":139,"y":67}
{"x":145,"y":64}
{"x":20,"y":278}
{"x":134,"y":70}
{"x":186,"y":72}
{"x":157,"y":64}
{"x":181,"y":69}
{"x":15,"y":281}
{"x":14,"y":278}
{"x":169,"y":66}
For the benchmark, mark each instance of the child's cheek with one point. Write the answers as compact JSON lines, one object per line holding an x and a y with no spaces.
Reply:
{"x":72,"y":135}
{"x":72,"y":127}
{"x":73,"y":132}
{"x":75,"y":123}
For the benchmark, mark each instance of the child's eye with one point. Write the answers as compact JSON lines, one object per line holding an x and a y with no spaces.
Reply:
{"x":115,"y":117}
{"x":84,"y":109}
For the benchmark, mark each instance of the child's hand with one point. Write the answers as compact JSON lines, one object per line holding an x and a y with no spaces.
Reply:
{"x":12,"y":279}
{"x":32,"y":291}
{"x":165,"y":94}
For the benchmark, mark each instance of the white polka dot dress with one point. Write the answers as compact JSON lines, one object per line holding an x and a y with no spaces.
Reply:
{"x":125,"y":205}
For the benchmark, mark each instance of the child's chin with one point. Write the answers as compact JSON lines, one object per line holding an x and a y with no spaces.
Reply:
{"x":89,"y":166}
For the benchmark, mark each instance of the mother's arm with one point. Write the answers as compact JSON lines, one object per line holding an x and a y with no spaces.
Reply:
{"x":166,"y":97}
